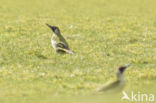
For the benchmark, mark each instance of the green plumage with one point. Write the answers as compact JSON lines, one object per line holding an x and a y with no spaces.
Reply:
{"x":58,"y":41}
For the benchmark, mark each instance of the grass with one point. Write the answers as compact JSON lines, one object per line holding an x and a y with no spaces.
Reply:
{"x":103,"y":34}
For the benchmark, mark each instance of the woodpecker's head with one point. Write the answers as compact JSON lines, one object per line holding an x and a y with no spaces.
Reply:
{"x":55,"y":29}
{"x":120,"y":70}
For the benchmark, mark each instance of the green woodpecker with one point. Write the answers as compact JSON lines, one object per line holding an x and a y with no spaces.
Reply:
{"x":118,"y":84}
{"x":58,"y":41}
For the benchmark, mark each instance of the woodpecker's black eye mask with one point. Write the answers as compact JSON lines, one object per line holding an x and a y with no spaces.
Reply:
{"x":122,"y":69}
{"x":53,"y":28}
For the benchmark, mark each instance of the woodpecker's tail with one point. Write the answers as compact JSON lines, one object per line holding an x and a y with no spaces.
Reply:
{"x":69,"y":52}
{"x":64,"y":51}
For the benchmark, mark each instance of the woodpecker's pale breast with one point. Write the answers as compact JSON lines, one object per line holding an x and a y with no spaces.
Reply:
{"x":54,"y":43}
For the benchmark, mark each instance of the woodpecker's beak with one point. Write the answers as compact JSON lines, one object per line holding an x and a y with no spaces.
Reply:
{"x":51,"y":27}
{"x":127,"y":65}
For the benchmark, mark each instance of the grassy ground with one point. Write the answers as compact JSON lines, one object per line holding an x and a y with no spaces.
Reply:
{"x":103,"y":34}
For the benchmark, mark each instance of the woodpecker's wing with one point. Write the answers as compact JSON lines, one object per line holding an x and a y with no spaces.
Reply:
{"x":62,"y":45}
{"x":109,"y":87}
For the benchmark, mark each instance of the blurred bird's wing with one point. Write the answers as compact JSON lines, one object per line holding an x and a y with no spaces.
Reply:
{"x":109,"y":87}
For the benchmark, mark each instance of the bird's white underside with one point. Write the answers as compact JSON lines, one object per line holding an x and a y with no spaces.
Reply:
{"x":53,"y":43}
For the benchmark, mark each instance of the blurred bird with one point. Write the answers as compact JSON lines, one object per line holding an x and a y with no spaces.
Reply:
{"x":58,"y":41}
{"x":116,"y":85}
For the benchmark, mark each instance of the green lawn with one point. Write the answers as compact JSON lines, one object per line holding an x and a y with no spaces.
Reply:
{"x":104,"y":34}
